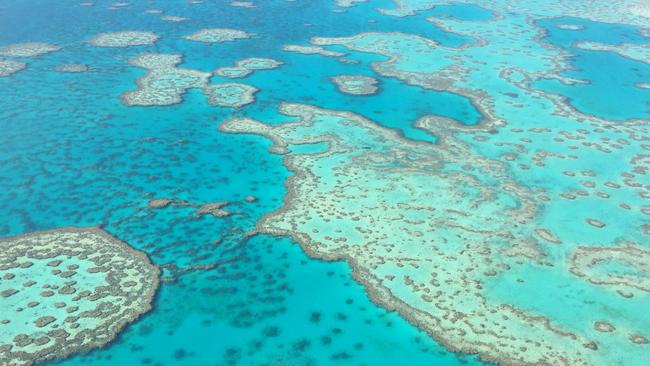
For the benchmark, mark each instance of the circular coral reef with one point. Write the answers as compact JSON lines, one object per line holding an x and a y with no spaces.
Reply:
{"x":68,"y":290}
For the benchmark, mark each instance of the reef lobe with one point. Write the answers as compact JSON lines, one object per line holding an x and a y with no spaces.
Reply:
{"x":107,"y":285}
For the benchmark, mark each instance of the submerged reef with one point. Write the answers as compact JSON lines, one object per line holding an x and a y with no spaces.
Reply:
{"x":215,"y":209}
{"x":174,"y":18}
{"x":356,"y":84}
{"x":598,"y":265}
{"x":312,"y":50}
{"x":574,"y":27}
{"x":31,"y":49}
{"x":22,"y":50}
{"x":164,"y":83}
{"x":68,"y":291}
{"x":247,"y":66}
{"x":348,"y":3}
{"x":8,"y":67}
{"x":218,"y":35}
{"x":232,"y":95}
{"x":72,"y":68}
{"x":638,"y":52}
{"x":242,"y":4}
{"x":124,"y":39}
{"x":633,"y":12}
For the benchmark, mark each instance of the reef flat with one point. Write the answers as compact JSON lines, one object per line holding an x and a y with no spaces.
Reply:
{"x":72,"y":68}
{"x":174,"y":18}
{"x":164,"y":83}
{"x":232,"y":95}
{"x":418,"y":250}
{"x":356,"y":84}
{"x":312,"y":50}
{"x":247,"y":66}
{"x":68,"y":291}
{"x":124,"y":39}
{"x":217,"y":35}
{"x":28,"y":50}
{"x":387,"y":226}
{"x":638,"y":52}
{"x":8,"y":67}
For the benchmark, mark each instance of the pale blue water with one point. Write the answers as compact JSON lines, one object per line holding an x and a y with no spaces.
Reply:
{"x":72,"y":154}
{"x":610,"y":93}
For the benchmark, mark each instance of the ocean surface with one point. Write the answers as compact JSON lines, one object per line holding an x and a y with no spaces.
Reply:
{"x":73,"y":154}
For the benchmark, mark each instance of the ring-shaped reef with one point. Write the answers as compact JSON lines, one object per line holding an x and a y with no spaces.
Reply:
{"x":68,"y":291}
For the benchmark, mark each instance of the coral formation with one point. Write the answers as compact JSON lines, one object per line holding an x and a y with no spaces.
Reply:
{"x":355,"y":84}
{"x":164,"y":83}
{"x":67,"y":291}
{"x":246,"y":66}
{"x":232,"y":95}
{"x":72,"y":68}
{"x":312,"y":50}
{"x":218,"y":35}
{"x":124,"y":39}
{"x":8,"y":67}
{"x":28,"y":50}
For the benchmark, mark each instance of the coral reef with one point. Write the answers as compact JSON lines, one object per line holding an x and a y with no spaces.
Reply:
{"x":124,"y":39}
{"x":164,"y":83}
{"x":9,"y":67}
{"x":68,"y":291}
{"x":217,"y":35}
{"x":247,"y":66}
{"x":27,"y":50}
{"x":356,"y":84}
{"x":232,"y":95}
